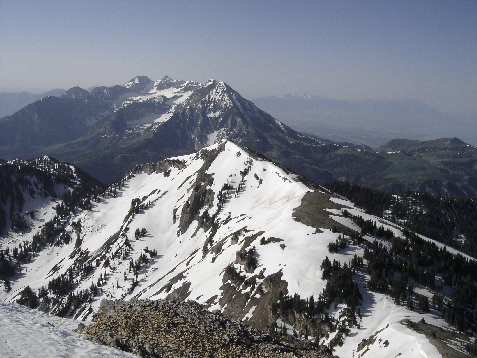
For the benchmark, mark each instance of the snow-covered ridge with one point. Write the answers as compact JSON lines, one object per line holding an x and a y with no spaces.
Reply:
{"x":263,"y":204}
{"x":181,"y":227}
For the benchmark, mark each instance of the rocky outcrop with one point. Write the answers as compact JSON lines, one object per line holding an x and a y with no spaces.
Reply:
{"x":201,"y":195}
{"x":160,"y":167}
{"x":186,"y":329}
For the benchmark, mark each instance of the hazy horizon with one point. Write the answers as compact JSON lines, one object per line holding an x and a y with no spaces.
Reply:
{"x":422,"y":50}
{"x":284,"y":95}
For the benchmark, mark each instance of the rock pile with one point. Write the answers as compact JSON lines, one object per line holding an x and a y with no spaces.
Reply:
{"x":167,"y":328}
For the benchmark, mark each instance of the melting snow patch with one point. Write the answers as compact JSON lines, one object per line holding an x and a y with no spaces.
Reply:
{"x":164,"y":118}
{"x":250,"y":313}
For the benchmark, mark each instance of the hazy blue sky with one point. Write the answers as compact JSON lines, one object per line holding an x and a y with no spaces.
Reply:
{"x":343,"y":49}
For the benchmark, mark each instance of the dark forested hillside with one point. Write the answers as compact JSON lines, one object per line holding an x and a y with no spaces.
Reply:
{"x":24,"y":180}
{"x":451,"y":221}
{"x":412,"y":261}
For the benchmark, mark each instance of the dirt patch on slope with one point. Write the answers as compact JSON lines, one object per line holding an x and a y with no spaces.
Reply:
{"x":312,"y":211}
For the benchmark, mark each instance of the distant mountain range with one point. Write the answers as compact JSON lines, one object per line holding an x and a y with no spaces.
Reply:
{"x":368,"y":122}
{"x":108,"y":130}
{"x":10,"y":102}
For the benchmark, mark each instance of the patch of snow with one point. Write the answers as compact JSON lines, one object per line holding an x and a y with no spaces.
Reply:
{"x":250,"y":313}
{"x":215,"y":114}
{"x":146,"y":120}
{"x":30,"y":333}
{"x":280,"y":124}
{"x":214,"y":137}
{"x":381,"y":317}
{"x":165,"y":117}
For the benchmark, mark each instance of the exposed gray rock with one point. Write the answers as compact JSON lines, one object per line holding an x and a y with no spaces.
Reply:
{"x":166,"y":328}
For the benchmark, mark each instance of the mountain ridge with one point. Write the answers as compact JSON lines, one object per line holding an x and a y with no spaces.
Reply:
{"x":230,"y":230}
{"x":204,"y":105}
{"x":10,"y":102}
{"x":108,"y":130}
{"x":409,"y":144}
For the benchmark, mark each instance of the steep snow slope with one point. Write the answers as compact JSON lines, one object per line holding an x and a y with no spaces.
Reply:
{"x":263,"y":207}
{"x":28,"y":333}
{"x":223,"y":227}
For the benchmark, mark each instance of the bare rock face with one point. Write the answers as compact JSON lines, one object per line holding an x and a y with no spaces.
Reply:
{"x":186,"y":329}
{"x":201,"y":194}
{"x":160,"y":167}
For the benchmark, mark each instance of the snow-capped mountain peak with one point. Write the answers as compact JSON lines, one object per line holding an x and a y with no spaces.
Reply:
{"x":213,"y":110}
{"x":166,"y":116}
{"x":218,"y":97}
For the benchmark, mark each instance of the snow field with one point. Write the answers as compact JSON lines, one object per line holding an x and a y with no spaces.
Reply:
{"x":381,"y":318}
{"x":30,"y":333}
